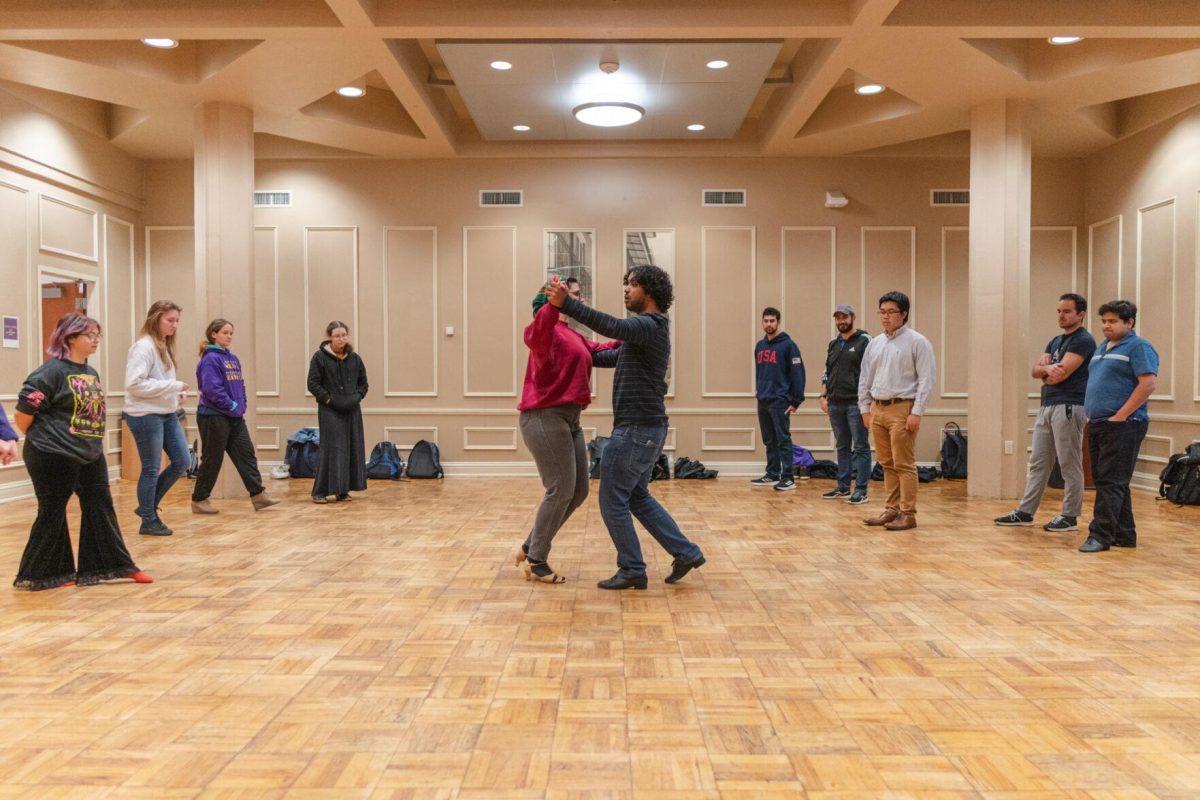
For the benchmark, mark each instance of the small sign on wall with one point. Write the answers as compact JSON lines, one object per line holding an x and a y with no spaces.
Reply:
{"x":12,"y":333}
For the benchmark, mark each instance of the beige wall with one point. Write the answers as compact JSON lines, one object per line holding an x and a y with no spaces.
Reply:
{"x":1142,"y":222}
{"x":65,"y":208}
{"x":385,"y":246}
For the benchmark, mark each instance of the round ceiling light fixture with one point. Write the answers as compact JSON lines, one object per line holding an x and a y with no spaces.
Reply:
{"x":719,"y":63}
{"x":162,"y":42}
{"x":1064,"y":39}
{"x":357,"y":89}
{"x":520,"y":128}
{"x":695,"y":126}
{"x":503,"y":66}
{"x":608,"y":114}
{"x":867,"y":88}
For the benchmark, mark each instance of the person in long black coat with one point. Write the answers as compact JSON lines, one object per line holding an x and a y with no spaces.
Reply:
{"x":337,"y":378}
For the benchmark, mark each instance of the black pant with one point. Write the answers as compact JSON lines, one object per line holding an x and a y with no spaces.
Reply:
{"x":219,"y":435}
{"x":1113,"y":449}
{"x":776,"y":426}
{"x":47,"y":561}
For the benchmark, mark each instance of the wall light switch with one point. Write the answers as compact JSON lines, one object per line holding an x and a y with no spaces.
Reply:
{"x":449,"y":330}
{"x":1008,"y":447}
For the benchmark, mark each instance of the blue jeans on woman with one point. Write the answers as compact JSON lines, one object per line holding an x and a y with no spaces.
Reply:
{"x":853,"y":446}
{"x":155,"y":433}
{"x":625,"y":471}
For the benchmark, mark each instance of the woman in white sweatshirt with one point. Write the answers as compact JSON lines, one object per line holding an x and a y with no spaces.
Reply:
{"x":152,"y":405}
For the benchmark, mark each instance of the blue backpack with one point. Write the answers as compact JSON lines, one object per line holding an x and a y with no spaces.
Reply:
{"x":303,"y":454}
{"x":385,"y":462}
{"x":801,"y":457}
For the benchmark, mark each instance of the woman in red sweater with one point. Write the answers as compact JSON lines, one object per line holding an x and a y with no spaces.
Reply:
{"x":557,"y":390}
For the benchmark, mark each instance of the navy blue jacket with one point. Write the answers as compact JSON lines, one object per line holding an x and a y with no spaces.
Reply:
{"x":779,"y":370}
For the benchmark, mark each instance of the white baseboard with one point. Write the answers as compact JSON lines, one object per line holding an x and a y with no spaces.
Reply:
{"x":23,"y":490}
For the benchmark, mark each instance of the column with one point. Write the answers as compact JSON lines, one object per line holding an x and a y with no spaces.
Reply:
{"x":998,"y":316}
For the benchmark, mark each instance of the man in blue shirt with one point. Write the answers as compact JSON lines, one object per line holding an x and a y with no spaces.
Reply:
{"x":779,"y":387}
{"x":1121,"y":377}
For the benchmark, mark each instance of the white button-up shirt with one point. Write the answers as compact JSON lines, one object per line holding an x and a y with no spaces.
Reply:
{"x":897,"y":366}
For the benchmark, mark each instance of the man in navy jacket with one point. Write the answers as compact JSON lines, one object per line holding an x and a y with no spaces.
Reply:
{"x":779,"y":375}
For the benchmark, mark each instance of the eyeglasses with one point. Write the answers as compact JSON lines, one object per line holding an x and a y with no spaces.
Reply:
{"x":890,"y":312}
{"x":95,"y":336}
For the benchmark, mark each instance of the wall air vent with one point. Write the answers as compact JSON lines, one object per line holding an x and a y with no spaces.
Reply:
{"x":949,"y":197}
{"x":723,"y":197}
{"x":512,"y":198}
{"x":272,"y":199}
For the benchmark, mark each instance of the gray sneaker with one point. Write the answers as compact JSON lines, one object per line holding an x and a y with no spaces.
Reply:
{"x":765,"y":480}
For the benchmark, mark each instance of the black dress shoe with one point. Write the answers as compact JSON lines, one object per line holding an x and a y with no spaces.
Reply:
{"x":681,"y":568}
{"x":1093,"y":545}
{"x":1126,"y":543}
{"x":617,"y":582}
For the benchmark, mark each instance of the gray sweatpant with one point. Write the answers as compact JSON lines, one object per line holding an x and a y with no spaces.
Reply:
{"x":1056,"y":433}
{"x":555,"y":439}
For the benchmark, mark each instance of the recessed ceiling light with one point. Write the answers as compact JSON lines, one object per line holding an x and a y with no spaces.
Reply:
{"x":608,"y":115}
{"x":520,"y":128}
{"x":868,"y":88}
{"x":695,"y":126}
{"x":717,"y":64}
{"x":501,"y":65}
{"x":1065,"y":39}
{"x":162,"y":43}
{"x":351,"y":91}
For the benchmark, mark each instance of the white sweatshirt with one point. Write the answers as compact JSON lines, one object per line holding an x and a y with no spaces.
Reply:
{"x":150,"y":386}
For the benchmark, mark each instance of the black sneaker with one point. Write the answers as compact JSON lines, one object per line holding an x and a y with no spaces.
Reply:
{"x":802,"y":474}
{"x":681,"y":568}
{"x":835,"y":494}
{"x":1061,"y":523}
{"x":857,"y":499}
{"x":1015,"y":519}
{"x":154,"y":528}
{"x":765,"y":480}
{"x":785,"y":485}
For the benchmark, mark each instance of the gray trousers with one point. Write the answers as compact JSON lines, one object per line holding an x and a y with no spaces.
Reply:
{"x":1056,"y":433}
{"x":555,"y":439}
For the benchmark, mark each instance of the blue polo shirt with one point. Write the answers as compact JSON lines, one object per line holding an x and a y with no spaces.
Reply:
{"x":1113,"y":375}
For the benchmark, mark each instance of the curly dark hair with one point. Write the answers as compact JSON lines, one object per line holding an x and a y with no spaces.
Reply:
{"x":656,"y":283}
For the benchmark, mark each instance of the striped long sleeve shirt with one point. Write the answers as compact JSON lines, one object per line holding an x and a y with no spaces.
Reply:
{"x":640,"y":382}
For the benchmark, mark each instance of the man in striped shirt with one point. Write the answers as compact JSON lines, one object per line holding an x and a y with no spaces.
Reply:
{"x":639,"y":422}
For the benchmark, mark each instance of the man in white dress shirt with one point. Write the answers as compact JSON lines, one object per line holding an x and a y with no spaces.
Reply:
{"x":897,"y":376}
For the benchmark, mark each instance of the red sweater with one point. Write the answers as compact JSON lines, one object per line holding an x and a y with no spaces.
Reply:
{"x":559,"y":369}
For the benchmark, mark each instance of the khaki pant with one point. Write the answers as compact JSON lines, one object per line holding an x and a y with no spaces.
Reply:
{"x":895,"y":447}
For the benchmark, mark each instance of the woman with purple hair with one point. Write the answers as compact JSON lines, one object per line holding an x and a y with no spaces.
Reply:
{"x":61,"y":409}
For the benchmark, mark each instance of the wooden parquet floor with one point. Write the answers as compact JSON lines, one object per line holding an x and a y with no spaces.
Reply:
{"x":387,"y":648}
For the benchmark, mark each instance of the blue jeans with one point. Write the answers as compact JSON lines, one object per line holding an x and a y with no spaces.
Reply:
{"x":155,"y":433}
{"x":776,"y":426}
{"x":624,"y":477}
{"x":853,"y":446}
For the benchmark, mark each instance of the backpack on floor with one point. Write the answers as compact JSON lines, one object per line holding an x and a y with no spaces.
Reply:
{"x":954,"y":452}
{"x":193,"y":468}
{"x":686,"y":468}
{"x":877,"y":472}
{"x":1179,"y":482}
{"x":801,"y":457}
{"x":425,"y":461}
{"x":385,"y":462}
{"x":661,"y":469}
{"x":595,"y":452}
{"x":823,"y":468}
{"x":927,"y":474}
{"x":303,"y":454}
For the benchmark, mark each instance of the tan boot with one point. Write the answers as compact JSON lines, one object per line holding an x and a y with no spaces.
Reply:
{"x":203,"y":507}
{"x":904,"y":522}
{"x":882,"y":519}
{"x":263,"y":500}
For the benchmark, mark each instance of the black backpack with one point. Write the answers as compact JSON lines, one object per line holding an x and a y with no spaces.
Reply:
{"x":385,"y":462}
{"x":954,"y":452}
{"x":1179,"y":482}
{"x":823,"y":468}
{"x":686,"y":468}
{"x":924,"y":474}
{"x":424,"y":461}
{"x":595,"y":452}
{"x":303,"y":458}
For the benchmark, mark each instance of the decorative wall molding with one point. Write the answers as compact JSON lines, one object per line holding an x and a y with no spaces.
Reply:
{"x":753,"y":281}
{"x":1137,"y":292}
{"x":387,"y":334}
{"x":406,"y":445}
{"x":274,"y":229}
{"x":749,"y":446}
{"x":467,"y":313}
{"x":94,"y":255}
{"x":147,"y":233}
{"x":133,"y":326}
{"x":912,"y":258}
{"x":942,"y":363}
{"x":1093,"y":307}
{"x":276,"y":443}
{"x":353,"y":285}
{"x":467,"y":431}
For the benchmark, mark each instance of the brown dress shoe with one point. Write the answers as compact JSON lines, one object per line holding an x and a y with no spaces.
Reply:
{"x":882,"y":519}
{"x":903,"y":522}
